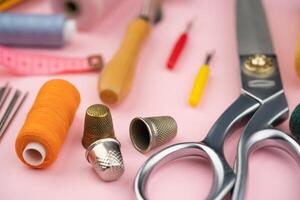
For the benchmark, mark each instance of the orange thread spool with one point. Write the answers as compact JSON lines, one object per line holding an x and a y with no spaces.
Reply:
{"x":47,"y":124}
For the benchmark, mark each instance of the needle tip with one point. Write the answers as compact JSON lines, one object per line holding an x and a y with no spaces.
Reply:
{"x":190,"y":24}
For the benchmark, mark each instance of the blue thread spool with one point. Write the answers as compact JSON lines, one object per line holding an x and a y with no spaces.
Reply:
{"x":35,"y":30}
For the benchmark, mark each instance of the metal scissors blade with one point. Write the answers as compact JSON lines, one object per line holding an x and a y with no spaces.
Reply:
{"x":260,"y":72}
{"x":252,"y":28}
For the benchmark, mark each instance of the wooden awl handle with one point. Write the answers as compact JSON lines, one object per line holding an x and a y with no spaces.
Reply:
{"x":117,"y":77}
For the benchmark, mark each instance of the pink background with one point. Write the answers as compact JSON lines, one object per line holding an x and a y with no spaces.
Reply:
{"x":157,"y":91}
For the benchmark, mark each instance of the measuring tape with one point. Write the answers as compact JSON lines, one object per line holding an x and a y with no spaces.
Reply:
{"x":22,"y":63}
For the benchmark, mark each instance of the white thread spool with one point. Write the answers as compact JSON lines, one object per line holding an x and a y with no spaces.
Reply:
{"x":69,"y":30}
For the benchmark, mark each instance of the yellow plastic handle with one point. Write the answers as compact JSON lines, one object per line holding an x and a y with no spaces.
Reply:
{"x":298,"y":58}
{"x":199,"y":85}
{"x":116,"y":79}
{"x":6,"y":4}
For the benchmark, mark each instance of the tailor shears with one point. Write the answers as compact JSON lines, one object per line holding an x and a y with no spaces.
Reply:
{"x":262,"y":102}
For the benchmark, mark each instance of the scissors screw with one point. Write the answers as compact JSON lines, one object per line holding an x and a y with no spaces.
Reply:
{"x":259,"y":64}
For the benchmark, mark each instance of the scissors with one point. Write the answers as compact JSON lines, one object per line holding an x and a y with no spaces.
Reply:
{"x":262,"y":103}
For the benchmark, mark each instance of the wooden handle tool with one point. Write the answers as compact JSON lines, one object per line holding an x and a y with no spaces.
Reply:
{"x":117,"y":77}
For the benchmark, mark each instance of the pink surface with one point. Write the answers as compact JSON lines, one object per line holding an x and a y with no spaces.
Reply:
{"x":157,"y":91}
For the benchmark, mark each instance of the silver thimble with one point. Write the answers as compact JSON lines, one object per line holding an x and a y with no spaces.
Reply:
{"x":106,"y":158}
{"x":151,"y":132}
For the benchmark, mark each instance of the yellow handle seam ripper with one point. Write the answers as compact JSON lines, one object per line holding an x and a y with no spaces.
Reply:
{"x":200,"y":82}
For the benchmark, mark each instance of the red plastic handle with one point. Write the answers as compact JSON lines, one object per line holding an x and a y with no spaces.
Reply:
{"x":177,"y":50}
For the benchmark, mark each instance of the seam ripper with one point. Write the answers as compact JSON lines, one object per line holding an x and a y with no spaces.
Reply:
{"x":200,"y":81}
{"x":179,"y":46}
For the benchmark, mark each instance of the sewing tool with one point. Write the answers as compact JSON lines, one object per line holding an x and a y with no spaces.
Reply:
{"x":262,"y":102}
{"x":97,"y":124}
{"x":117,"y":77}
{"x":151,"y":132}
{"x":35,"y":30}
{"x":179,"y":46}
{"x":102,"y":148}
{"x":7,"y":4}
{"x":86,"y":13}
{"x":200,"y":82}
{"x":14,"y":105}
{"x":23,"y":63}
{"x":4,"y":92}
{"x":46,"y":126}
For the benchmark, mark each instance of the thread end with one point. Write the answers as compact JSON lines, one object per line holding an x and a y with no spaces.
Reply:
{"x":69,"y":30}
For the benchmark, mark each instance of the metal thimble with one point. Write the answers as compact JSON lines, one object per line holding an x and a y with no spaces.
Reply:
{"x":106,"y":158}
{"x":98,"y":124}
{"x":151,"y":132}
{"x":103,"y":150}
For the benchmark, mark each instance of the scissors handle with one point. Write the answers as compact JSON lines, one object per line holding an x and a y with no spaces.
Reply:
{"x":223,"y":178}
{"x":264,"y":138}
{"x":211,"y":149}
{"x":271,"y":113}
{"x":240,"y":110}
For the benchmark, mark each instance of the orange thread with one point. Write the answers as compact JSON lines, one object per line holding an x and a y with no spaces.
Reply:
{"x":49,"y":119}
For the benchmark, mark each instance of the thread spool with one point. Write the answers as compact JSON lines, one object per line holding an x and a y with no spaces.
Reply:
{"x":86,"y":13}
{"x":47,"y":124}
{"x":35,"y":30}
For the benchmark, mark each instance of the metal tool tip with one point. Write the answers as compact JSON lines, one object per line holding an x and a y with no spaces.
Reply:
{"x":190,"y":24}
{"x":209,"y":57}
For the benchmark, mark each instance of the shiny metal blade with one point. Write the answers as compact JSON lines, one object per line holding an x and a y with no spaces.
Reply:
{"x":3,"y":90}
{"x":4,"y":96}
{"x":152,"y":10}
{"x":252,"y":28}
{"x":11,"y":114}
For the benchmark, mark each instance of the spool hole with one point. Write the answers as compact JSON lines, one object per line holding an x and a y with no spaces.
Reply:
{"x":72,"y":8}
{"x":34,"y":154}
{"x":140,"y":135}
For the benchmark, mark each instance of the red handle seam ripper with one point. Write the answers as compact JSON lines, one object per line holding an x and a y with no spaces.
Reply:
{"x":179,"y":46}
